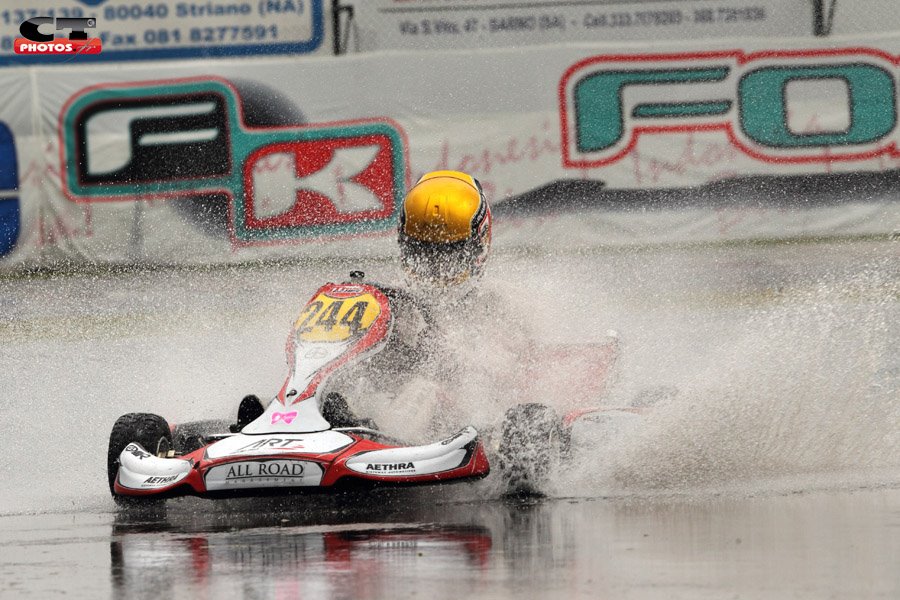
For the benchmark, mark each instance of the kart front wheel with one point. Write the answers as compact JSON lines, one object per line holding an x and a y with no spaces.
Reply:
{"x":530,"y":448}
{"x":150,"y":431}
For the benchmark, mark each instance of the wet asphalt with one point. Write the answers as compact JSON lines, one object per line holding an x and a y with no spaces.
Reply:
{"x":775,"y":475}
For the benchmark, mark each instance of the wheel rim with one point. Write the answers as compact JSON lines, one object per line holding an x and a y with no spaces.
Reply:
{"x":163,"y":446}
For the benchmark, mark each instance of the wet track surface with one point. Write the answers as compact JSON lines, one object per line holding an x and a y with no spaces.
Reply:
{"x":773,"y":474}
{"x":808,"y":545}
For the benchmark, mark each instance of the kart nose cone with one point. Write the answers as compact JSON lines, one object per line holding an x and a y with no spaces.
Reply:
{"x":140,"y":470}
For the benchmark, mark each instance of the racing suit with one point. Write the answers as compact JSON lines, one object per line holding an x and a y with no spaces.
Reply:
{"x":444,"y":360}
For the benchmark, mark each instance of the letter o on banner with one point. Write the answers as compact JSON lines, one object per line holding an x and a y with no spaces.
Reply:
{"x":872,"y":99}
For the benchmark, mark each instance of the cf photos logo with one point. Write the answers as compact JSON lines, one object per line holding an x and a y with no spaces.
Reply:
{"x":36,"y":41}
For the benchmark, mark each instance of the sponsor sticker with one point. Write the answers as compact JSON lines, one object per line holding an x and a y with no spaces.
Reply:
{"x":345,"y":291}
{"x":264,"y":473}
{"x":391,"y":468}
{"x":161,"y":481}
{"x":453,"y":438}
{"x":287,"y":417}
{"x":137,"y":451}
{"x":267,"y":444}
{"x":323,"y":442}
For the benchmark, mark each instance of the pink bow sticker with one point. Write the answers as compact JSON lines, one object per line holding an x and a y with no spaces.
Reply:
{"x":286,"y":417}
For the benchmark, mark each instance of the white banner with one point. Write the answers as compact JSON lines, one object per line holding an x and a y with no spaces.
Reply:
{"x":228,"y":161}
{"x":429,"y":24}
{"x":168,"y":29}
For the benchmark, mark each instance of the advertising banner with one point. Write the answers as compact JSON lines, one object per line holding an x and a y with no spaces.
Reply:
{"x":428,"y":24}
{"x":195,"y":162}
{"x":161,"y":29}
{"x":852,"y":18}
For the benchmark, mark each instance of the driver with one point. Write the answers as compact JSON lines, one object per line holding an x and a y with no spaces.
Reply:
{"x":444,"y":236}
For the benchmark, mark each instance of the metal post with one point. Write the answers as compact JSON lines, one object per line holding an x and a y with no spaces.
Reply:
{"x":341,"y":32}
{"x":823,"y":22}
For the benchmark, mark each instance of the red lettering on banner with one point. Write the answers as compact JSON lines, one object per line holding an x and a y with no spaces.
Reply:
{"x":648,"y":170}
{"x":481,"y":162}
{"x":728,"y":219}
{"x":708,"y":157}
{"x":51,"y":227}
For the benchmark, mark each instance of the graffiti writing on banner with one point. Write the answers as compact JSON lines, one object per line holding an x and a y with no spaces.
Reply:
{"x":53,"y":226}
{"x":484,"y":162}
{"x":714,"y":159}
{"x":188,"y":138}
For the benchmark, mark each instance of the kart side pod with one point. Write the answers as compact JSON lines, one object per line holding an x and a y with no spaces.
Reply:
{"x":432,"y":459}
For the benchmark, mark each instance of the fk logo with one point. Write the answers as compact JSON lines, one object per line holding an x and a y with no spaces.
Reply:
{"x":187,"y":137}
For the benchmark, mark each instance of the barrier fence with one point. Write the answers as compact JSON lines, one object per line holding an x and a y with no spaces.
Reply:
{"x":231,"y":149}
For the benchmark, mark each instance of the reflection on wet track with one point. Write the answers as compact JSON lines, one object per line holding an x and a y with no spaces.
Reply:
{"x":263,"y":550}
{"x":803,"y":545}
{"x":286,"y":562}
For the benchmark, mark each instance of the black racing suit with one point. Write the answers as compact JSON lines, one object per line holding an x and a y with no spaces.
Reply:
{"x":442,"y":350}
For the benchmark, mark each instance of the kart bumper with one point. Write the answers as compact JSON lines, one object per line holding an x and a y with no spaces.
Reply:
{"x":288,"y":467}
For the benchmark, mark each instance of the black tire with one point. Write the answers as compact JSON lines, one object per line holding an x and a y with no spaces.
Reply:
{"x":150,"y":431}
{"x":250,"y":409}
{"x":191,"y":436}
{"x":530,"y":450}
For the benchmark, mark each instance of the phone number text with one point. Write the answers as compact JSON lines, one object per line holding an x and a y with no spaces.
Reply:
{"x":176,"y":37}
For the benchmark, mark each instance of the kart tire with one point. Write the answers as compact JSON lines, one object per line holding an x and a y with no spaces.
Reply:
{"x":191,"y":436}
{"x":530,"y":448}
{"x":150,"y":431}
{"x":250,"y":409}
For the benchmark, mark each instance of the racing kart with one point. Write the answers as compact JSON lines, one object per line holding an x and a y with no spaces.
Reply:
{"x":289,"y":446}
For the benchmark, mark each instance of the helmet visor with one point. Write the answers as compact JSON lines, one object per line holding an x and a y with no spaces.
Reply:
{"x":437,"y":263}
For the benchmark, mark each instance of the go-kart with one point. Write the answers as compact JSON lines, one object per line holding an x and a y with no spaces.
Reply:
{"x":289,"y":446}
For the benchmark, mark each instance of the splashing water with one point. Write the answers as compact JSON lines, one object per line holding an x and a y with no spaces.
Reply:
{"x":779,"y":370}
{"x":809,"y":386}
{"x":784,"y":359}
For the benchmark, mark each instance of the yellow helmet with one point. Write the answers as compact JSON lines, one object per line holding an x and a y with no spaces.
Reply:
{"x":445,"y":228}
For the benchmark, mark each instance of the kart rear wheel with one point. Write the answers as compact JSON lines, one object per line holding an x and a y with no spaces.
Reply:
{"x":150,"y":431}
{"x":530,"y":448}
